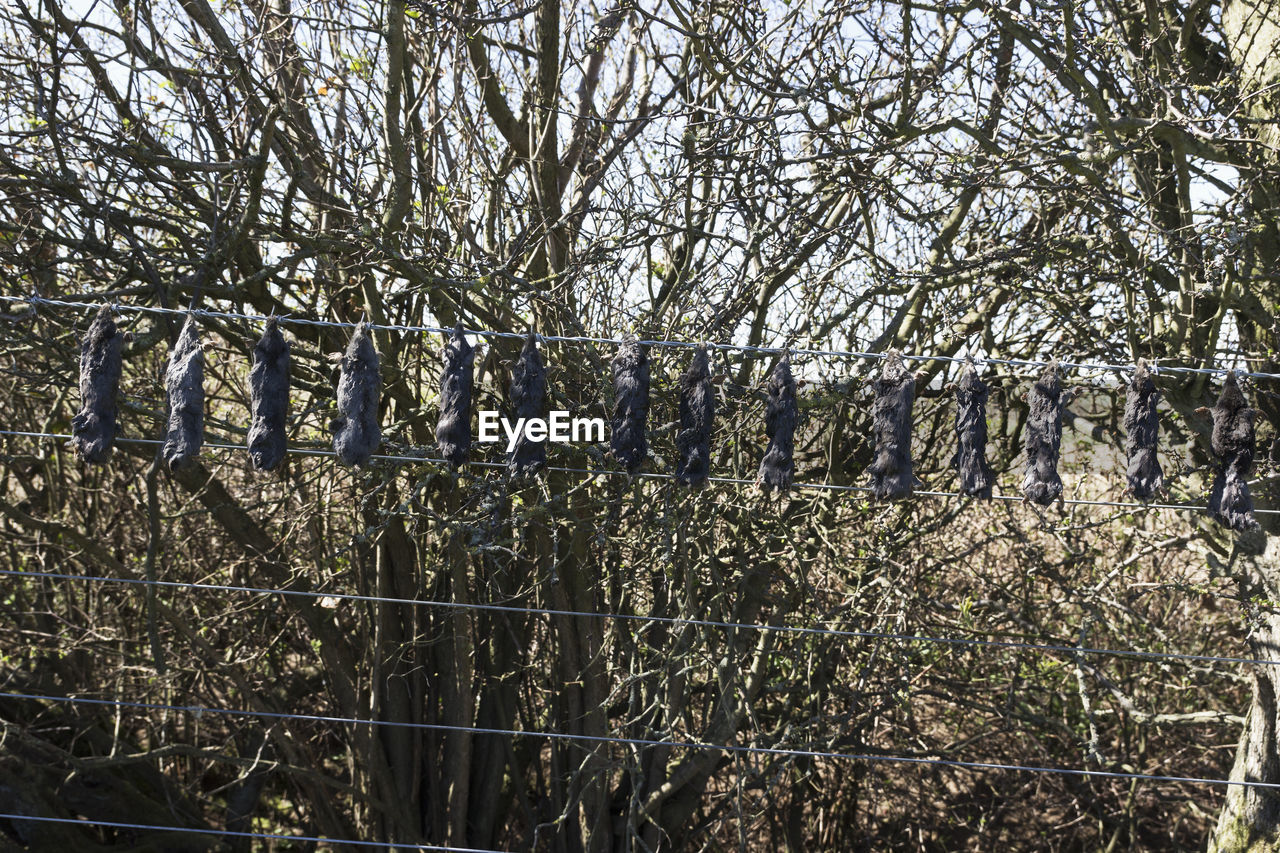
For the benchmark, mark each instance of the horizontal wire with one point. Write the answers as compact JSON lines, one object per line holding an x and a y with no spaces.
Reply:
{"x":675,"y":621}
{"x":488,"y":333}
{"x":649,"y":475}
{"x":643,"y":742}
{"x":385,"y":845}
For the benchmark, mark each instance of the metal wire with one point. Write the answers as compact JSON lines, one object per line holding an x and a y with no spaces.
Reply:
{"x":732,"y":748}
{"x":680,"y":744}
{"x":675,"y":621}
{"x":648,"y":475}
{"x":726,"y":347}
{"x":398,"y":845}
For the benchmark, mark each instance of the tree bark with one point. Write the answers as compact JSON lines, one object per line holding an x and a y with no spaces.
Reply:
{"x":1250,"y":818}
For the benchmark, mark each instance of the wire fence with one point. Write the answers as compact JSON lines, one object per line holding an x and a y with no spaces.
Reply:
{"x":261,"y":836}
{"x":648,"y":619}
{"x":420,"y":455}
{"x":741,"y":749}
{"x":1155,"y":365}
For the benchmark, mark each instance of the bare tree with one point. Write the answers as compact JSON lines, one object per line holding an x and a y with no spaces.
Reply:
{"x":1087,"y":183}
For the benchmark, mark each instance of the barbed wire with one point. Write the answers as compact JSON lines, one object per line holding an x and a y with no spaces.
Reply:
{"x":681,"y":344}
{"x":674,"y":621}
{"x":648,"y":475}
{"x":741,"y":749}
{"x":273,"y":836}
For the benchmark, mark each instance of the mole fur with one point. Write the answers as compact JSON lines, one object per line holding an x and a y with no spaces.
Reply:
{"x":697,"y":411}
{"x":1142,"y":432}
{"x":184,"y":383}
{"x":356,"y":434}
{"x":970,"y":461}
{"x":268,"y":398}
{"x":453,"y":429}
{"x":890,"y":468}
{"x":1042,"y":438}
{"x":777,"y":469}
{"x":1233,"y":443}
{"x":93,"y":428}
{"x":528,"y":400}
{"x":629,"y":443}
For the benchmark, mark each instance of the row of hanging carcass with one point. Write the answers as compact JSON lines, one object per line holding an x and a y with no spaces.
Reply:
{"x":356,"y":434}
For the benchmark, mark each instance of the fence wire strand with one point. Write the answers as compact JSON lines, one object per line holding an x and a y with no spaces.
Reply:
{"x":412,"y":456}
{"x":421,"y":456}
{"x":266,"y":836}
{"x":592,"y":339}
{"x":675,"y":621}
{"x":741,"y":749}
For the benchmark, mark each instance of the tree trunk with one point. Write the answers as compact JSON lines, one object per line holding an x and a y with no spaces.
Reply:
{"x":1250,"y":818}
